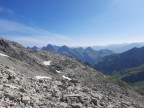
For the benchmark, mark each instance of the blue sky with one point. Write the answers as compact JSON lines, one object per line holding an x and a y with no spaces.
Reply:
{"x":72,"y":22}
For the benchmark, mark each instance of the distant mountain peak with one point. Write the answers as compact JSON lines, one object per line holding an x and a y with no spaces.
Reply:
{"x":64,"y":46}
{"x":85,"y":55}
{"x":49,"y":45}
{"x":119,"y":48}
{"x":89,"y":48}
{"x":37,"y":78}
{"x":128,"y":65}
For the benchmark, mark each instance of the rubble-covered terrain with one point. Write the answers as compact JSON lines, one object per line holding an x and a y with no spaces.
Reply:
{"x":43,"y":79}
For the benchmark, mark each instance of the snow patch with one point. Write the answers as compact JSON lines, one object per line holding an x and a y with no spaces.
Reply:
{"x":58,"y":71}
{"x":3,"y":55}
{"x":43,"y":77}
{"x":10,"y":86}
{"x":11,"y":71}
{"x":47,"y":63}
{"x":66,"y":77}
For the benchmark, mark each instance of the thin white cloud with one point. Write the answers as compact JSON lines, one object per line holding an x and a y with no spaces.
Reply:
{"x":5,"y":10}
{"x":32,"y":36}
{"x":12,"y":27}
{"x":28,"y":41}
{"x":29,"y":36}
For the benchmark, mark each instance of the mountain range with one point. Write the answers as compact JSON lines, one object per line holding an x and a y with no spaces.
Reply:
{"x":128,"y":66}
{"x":119,"y":48}
{"x":85,"y":55}
{"x":45,"y":79}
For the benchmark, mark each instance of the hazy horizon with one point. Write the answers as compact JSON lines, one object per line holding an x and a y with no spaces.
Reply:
{"x":107,"y":45}
{"x":75,"y":23}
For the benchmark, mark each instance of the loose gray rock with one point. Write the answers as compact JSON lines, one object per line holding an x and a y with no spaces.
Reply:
{"x":25,"y":99}
{"x":25,"y":82}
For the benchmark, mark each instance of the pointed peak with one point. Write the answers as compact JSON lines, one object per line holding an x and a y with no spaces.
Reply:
{"x":89,"y":48}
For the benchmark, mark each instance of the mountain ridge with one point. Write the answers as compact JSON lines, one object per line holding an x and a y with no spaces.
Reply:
{"x":35,"y":78}
{"x":127,"y":66}
{"x":85,"y":55}
{"x":120,"y":48}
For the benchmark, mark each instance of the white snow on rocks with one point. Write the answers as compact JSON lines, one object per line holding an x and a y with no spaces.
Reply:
{"x":3,"y":55}
{"x":66,"y":77}
{"x":47,"y":63}
{"x":43,"y":77}
{"x":10,"y":86}
{"x":11,"y":71}
{"x":58,"y":71}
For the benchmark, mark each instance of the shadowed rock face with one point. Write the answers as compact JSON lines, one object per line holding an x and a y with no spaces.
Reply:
{"x":116,"y":62}
{"x":128,"y":66}
{"x":25,"y":81}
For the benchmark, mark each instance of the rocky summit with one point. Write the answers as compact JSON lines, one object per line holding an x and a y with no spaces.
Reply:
{"x":44,"y":79}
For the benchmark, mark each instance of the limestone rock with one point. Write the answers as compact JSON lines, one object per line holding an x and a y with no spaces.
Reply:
{"x":77,"y":105}
{"x":26,"y":99}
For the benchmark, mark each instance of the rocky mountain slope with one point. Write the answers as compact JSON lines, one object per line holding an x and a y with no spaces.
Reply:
{"x":85,"y":55}
{"x":43,"y":79}
{"x":128,"y":66}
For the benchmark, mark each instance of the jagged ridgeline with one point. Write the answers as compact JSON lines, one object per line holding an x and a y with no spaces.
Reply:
{"x":85,"y":55}
{"x":44,"y":79}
